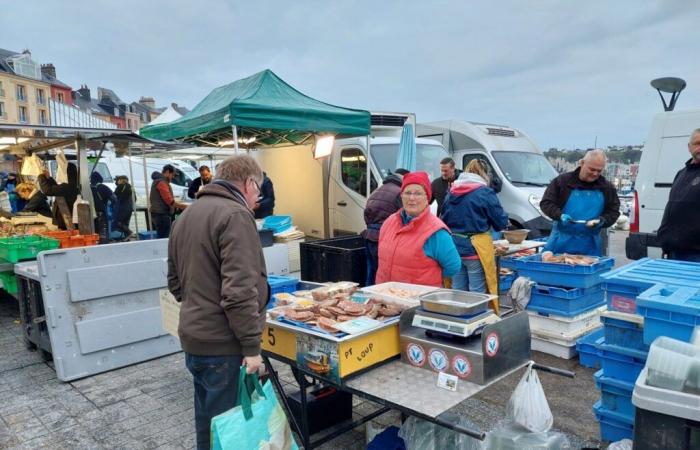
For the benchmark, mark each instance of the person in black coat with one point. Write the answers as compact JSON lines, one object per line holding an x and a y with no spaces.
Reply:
{"x":203,"y":179}
{"x":67,"y":191}
{"x":36,"y":201}
{"x":125,"y":198}
{"x":266,"y":202}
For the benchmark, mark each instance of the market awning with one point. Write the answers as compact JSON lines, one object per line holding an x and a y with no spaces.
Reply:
{"x":265,"y":110}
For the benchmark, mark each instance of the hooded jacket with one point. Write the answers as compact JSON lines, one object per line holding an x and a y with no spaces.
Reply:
{"x":216,"y":269}
{"x":102,"y":195}
{"x":160,"y":205}
{"x":472,"y":207}
{"x":678,"y":231}
{"x":383,"y":202}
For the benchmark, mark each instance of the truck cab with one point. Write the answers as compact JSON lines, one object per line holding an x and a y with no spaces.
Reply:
{"x":519,"y":171}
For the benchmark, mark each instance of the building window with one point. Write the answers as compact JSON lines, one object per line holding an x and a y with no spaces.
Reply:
{"x":61,"y":98}
{"x":2,"y":91}
{"x":23,"y":114}
{"x":128,"y":121}
{"x":40,"y":97}
{"x":42,"y":117}
{"x":2,"y":110}
{"x":21,"y":93}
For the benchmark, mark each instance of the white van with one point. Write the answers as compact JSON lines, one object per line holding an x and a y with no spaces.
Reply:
{"x":664,"y":154}
{"x":519,"y":170}
{"x":327,"y":197}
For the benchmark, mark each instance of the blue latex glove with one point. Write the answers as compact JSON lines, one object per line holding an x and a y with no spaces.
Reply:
{"x":565,"y":218}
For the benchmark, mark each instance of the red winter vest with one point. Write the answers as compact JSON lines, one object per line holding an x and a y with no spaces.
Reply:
{"x":401,"y":255}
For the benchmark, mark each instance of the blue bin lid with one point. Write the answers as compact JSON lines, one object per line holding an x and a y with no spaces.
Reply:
{"x":683,"y":300}
{"x":648,"y":272}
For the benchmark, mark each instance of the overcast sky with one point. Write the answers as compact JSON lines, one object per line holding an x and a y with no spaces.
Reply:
{"x":563,"y":72}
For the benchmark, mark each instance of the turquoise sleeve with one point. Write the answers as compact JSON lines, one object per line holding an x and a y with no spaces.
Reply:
{"x":441,"y":248}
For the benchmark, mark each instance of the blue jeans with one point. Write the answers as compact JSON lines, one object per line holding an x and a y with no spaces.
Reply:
{"x":470,"y":277}
{"x":372,"y":252}
{"x":215,"y":390}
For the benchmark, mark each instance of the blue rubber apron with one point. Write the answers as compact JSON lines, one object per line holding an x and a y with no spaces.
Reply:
{"x":577,"y":238}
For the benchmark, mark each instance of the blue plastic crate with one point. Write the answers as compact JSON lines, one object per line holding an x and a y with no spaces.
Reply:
{"x":669,"y":311}
{"x":555,"y":274}
{"x":566,"y":302}
{"x":280,"y":284}
{"x":623,"y":297}
{"x":507,"y":262}
{"x":147,"y":235}
{"x":621,"y":363}
{"x":587,"y":351}
{"x":278,"y":224}
{"x":613,"y":426}
{"x":647,"y":272}
{"x":624,"y":333}
{"x":505,"y":282}
{"x":615,"y":395}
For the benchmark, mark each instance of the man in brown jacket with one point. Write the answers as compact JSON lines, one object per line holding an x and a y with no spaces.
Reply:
{"x":216,"y":269}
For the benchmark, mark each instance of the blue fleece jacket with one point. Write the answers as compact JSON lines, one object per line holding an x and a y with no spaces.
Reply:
{"x":441,"y":248}
{"x":472,"y":208}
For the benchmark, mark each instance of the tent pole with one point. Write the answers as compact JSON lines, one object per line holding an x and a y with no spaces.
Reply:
{"x":369,"y":167}
{"x":133,"y":192}
{"x":145,"y":185}
{"x":235,"y":138}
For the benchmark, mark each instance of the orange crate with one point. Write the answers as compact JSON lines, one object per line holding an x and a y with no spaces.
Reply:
{"x":61,"y":236}
{"x":81,"y":240}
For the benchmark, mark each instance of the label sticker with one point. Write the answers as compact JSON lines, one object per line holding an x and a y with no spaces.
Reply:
{"x":461,"y":366}
{"x":438,"y":359}
{"x":415,"y":354}
{"x":447,"y":381}
{"x":492,"y":344}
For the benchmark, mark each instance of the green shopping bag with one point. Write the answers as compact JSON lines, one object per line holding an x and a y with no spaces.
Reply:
{"x":257,"y":423}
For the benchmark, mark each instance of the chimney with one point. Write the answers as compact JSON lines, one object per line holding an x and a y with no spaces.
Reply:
{"x":48,"y":69}
{"x":26,"y":51}
{"x":84,"y":92}
{"x":148,"y":101}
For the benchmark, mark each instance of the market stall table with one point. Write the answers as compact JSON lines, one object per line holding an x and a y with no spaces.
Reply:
{"x":516,"y":248}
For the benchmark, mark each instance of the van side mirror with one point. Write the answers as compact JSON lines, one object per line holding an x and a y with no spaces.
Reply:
{"x":496,"y":184}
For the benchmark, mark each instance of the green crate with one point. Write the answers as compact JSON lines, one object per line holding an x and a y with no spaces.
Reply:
{"x":18,"y":248}
{"x":9,"y":282}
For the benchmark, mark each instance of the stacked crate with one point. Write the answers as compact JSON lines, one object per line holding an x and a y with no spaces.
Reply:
{"x":565,"y":302}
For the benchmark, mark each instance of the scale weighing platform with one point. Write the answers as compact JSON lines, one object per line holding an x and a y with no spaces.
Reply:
{"x":461,"y":326}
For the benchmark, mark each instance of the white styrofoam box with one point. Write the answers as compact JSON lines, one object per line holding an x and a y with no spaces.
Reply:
{"x":550,"y":347}
{"x":560,"y":325}
{"x":276,"y":259}
{"x":294,"y":255}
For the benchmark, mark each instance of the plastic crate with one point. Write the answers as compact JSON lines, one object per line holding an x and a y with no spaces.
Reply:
{"x":616,"y":395}
{"x":613,"y":426}
{"x":565,"y":301}
{"x":279,"y":284}
{"x":646,"y":272}
{"x":506,"y":281}
{"x":621,"y":363}
{"x":624,"y":330}
{"x":338,"y":259}
{"x":622,"y":297}
{"x":587,"y":351}
{"x":147,"y":235}
{"x":555,"y":274}
{"x":554,"y":324}
{"x":9,"y":282}
{"x":278,"y":224}
{"x":669,"y":311}
{"x":18,"y":248}
{"x":61,"y":236}
{"x":81,"y":240}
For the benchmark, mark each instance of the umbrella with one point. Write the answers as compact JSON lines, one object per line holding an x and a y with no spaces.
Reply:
{"x":406,"y":159}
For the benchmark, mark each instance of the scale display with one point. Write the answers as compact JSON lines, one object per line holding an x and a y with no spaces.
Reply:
{"x":458,"y":326}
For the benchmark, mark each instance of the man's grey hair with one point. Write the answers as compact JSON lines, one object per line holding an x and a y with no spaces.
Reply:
{"x":238,"y":169}
{"x":692,"y":135}
{"x":595,"y":154}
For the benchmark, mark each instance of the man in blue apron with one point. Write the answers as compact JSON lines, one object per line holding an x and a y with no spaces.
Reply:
{"x":581,"y":203}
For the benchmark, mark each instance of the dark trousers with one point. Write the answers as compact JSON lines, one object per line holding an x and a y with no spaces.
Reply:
{"x":372,"y":252}
{"x":162,"y":224}
{"x":685,"y":256}
{"x":215,"y":390}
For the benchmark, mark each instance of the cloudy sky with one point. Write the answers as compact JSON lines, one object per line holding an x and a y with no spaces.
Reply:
{"x":563,"y":72}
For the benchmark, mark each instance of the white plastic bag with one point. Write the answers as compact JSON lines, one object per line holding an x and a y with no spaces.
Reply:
{"x":419,"y":434}
{"x":528,"y":406}
{"x":519,"y":293}
{"x":32,"y":166}
{"x":624,"y":444}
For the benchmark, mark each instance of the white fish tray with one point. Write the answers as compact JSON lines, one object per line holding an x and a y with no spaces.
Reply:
{"x":379,"y":291}
{"x":561,"y":326}
{"x":559,"y":345}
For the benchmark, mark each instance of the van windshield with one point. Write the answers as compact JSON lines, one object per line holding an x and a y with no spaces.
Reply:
{"x":428,"y":158}
{"x":525,"y":169}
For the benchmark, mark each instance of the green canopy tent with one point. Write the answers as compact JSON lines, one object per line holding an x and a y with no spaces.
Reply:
{"x":261,"y":110}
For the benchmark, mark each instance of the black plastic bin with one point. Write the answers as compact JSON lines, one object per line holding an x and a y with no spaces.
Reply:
{"x":32,"y":316}
{"x":337,"y":259}
{"x":327,"y":407}
{"x":656,"y":431}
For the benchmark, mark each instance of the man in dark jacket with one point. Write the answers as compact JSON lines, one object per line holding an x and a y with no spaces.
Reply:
{"x":125,"y":198}
{"x":266,"y":203}
{"x":203,"y":179}
{"x":106,"y":207}
{"x":441,"y":185}
{"x":216,"y":269}
{"x":65,"y":193}
{"x":581,"y":203}
{"x":35,"y":201}
{"x":383,"y":202}
{"x":678,"y":234}
{"x":162,"y":200}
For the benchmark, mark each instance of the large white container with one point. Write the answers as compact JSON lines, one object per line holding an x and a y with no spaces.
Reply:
{"x":561,"y":345}
{"x":564,"y":326}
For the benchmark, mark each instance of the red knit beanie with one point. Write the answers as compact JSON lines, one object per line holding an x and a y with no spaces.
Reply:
{"x":420,"y":178}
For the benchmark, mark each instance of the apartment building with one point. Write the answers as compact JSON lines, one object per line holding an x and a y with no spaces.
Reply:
{"x":24,"y":94}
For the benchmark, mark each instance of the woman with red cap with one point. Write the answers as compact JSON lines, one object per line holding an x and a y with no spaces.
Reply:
{"x":415,"y":246}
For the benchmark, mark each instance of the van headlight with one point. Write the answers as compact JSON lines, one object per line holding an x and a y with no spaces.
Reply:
{"x":535,"y":202}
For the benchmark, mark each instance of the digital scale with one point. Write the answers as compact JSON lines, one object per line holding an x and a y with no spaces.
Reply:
{"x":461,"y":326}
